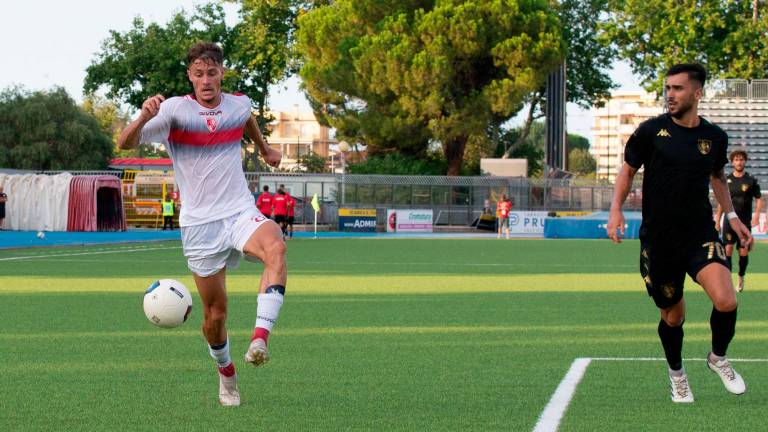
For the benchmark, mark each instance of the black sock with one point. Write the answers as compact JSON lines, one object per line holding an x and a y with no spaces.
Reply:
{"x":743,"y":261}
{"x":723,"y":325}
{"x":672,"y":341}
{"x":730,"y":261}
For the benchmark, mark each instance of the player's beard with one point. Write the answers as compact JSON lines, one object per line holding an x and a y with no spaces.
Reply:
{"x":682,"y":109}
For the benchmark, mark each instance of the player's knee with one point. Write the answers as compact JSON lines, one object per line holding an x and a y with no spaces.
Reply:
{"x":725,"y":304}
{"x":274,"y":251}
{"x":674,"y":320}
{"x":214,"y":316}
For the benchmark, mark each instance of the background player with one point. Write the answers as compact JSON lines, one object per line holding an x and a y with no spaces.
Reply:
{"x":683,"y":154}
{"x":280,"y":206}
{"x":218,"y":220}
{"x":503,"y":207}
{"x":264,"y":202}
{"x":743,"y":188}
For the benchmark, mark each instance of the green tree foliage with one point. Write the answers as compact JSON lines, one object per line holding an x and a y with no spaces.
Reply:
{"x":46,"y":130}
{"x":724,"y":35}
{"x":400,"y":164}
{"x":577,"y":142}
{"x":108,"y":113}
{"x":395,"y":74}
{"x":311,"y":162}
{"x":590,"y":54}
{"x":531,"y":147}
{"x":581,"y":162}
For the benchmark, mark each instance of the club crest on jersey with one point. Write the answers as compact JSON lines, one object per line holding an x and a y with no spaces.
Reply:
{"x":704,"y":146}
{"x":744,"y":188}
{"x":211,"y":123}
{"x":663,"y":133}
{"x":668,"y":290}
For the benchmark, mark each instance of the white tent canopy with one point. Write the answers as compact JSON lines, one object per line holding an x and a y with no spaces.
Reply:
{"x":36,"y":202}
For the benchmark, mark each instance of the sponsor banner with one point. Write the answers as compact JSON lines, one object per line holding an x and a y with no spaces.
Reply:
{"x":409,"y":220}
{"x":527,"y":222}
{"x":357,"y":212}
{"x":358,"y":220}
{"x":571,"y":213}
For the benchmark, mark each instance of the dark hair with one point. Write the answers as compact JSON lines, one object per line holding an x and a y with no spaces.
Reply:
{"x":738,"y":152}
{"x":266,"y":188}
{"x":695,"y":71}
{"x":205,"y":51}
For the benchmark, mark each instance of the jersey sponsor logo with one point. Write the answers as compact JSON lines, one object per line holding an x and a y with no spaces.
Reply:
{"x":668,"y":290}
{"x":704,"y":146}
{"x":209,"y":113}
{"x":663,"y":133}
{"x":210,"y":122}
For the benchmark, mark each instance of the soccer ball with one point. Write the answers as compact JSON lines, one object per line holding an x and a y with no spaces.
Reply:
{"x":41,"y":235}
{"x":167,"y":303}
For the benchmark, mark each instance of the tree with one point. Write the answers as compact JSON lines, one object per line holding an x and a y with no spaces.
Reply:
{"x":531,"y":147}
{"x":398,"y":73}
{"x":727,"y":37}
{"x":312,"y":162}
{"x":589,"y":55}
{"x":581,"y":162}
{"x":46,"y":130}
{"x":108,"y":113}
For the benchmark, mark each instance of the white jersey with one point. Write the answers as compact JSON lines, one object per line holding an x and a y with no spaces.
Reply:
{"x":204,"y":145}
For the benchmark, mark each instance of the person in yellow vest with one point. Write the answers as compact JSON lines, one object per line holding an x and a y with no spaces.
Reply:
{"x":167,"y":213}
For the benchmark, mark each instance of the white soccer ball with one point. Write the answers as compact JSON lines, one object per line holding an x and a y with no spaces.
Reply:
{"x":41,"y":235}
{"x":167,"y":303}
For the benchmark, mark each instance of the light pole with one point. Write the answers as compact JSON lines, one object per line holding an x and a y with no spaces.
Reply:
{"x":343,"y":148}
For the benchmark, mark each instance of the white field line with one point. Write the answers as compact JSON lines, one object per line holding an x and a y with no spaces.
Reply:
{"x":549,"y":420}
{"x":87,"y":253}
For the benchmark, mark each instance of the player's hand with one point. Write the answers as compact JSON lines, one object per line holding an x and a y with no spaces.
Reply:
{"x":745,"y":236}
{"x":272,"y":157}
{"x":151,"y":107}
{"x":755,"y":221}
{"x":615,"y":227}
{"x":717,"y":226}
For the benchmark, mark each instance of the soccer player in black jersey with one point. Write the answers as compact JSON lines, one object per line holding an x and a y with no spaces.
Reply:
{"x":683,"y":154}
{"x":743,"y":188}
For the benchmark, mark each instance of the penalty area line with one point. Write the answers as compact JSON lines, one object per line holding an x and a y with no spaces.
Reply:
{"x":552,"y":415}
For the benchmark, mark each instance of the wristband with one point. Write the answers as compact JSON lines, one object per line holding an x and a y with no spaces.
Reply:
{"x":732,"y":215}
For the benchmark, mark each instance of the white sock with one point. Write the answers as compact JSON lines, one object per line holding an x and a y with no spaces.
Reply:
{"x":268,"y":309}
{"x":221,"y":354}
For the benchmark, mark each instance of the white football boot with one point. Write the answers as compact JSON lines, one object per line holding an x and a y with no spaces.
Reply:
{"x":228,"y":393}
{"x":731,"y":379}
{"x":257,"y":353}
{"x":681,"y":391}
{"x":740,"y":284}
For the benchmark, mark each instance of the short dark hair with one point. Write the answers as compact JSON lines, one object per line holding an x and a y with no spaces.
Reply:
{"x":738,"y":152}
{"x":695,"y":71}
{"x":266,"y":188}
{"x":205,"y":51}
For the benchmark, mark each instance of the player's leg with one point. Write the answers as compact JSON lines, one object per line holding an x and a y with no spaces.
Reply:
{"x":266,"y":243}
{"x":213,"y":295}
{"x":664,"y":278}
{"x":715,"y":278}
{"x":743,"y":262}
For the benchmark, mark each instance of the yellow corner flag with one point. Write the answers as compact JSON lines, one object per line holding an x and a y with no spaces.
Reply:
{"x":315,"y":203}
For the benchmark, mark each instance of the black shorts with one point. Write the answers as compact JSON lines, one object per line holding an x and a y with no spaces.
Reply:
{"x":663,"y":270}
{"x":730,"y":236}
{"x":280,"y":218}
{"x":290,"y":220}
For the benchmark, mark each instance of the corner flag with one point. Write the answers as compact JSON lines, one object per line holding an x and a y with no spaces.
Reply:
{"x":315,"y":203}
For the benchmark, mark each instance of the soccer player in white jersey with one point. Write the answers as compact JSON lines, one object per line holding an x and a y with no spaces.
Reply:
{"x":219,"y":223}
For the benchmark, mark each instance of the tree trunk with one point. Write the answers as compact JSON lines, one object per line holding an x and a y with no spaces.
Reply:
{"x":526,"y":126}
{"x":454,"y":154}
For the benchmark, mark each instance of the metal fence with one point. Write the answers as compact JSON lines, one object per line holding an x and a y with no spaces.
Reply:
{"x":454,"y":200}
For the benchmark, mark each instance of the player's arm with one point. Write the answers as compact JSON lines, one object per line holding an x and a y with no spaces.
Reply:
{"x":718,"y":215}
{"x":620,"y":192}
{"x":271,"y":156}
{"x":129,"y":138}
{"x":723,"y":197}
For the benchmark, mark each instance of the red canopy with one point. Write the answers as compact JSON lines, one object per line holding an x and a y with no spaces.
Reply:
{"x":95,"y":204}
{"x":123,"y":163}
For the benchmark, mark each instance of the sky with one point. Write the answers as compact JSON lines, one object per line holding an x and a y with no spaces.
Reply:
{"x":54,"y":47}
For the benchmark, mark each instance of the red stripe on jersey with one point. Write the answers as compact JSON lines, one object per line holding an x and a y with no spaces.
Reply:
{"x":200,"y":139}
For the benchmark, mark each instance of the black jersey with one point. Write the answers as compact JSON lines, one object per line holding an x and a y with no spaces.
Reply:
{"x":743,"y":189}
{"x":678,"y":163}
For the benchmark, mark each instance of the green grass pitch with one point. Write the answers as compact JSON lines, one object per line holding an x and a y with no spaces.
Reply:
{"x":375,"y":334}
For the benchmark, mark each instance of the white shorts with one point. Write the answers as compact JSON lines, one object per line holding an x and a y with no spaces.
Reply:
{"x":211,"y":246}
